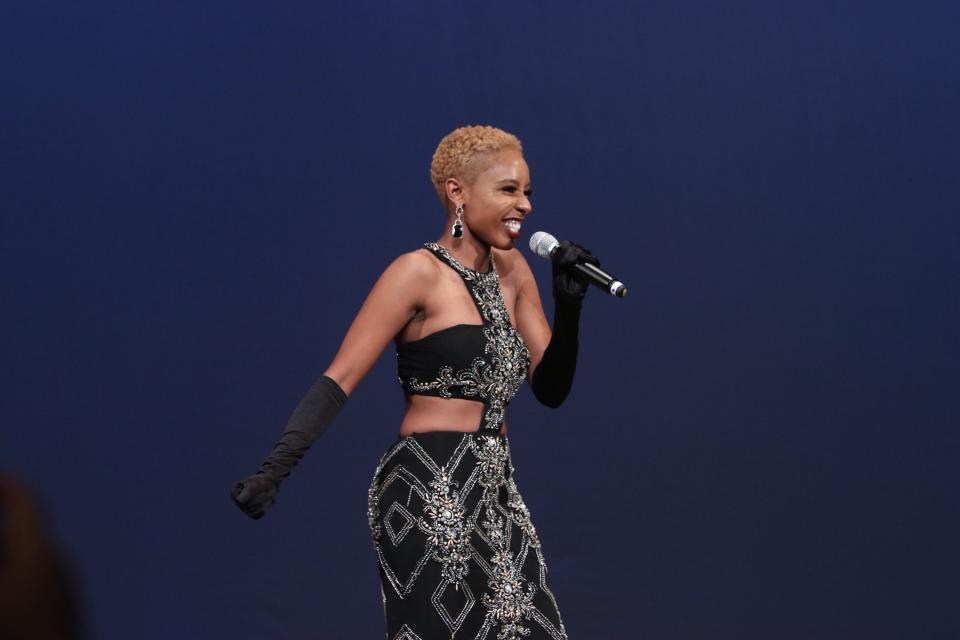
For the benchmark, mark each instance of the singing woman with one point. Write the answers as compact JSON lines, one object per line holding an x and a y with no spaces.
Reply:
{"x":458,"y":554}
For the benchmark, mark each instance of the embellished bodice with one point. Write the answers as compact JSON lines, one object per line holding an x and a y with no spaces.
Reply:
{"x":486,"y":363}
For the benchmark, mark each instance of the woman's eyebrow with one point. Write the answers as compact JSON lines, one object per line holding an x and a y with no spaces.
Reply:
{"x":506,"y":180}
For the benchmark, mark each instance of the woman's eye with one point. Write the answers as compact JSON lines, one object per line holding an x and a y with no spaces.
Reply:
{"x":510,"y":189}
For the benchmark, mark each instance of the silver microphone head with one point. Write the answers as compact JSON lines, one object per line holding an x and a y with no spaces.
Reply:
{"x":543,"y":244}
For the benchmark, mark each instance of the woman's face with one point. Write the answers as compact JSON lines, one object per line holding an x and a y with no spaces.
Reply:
{"x":499,"y":193}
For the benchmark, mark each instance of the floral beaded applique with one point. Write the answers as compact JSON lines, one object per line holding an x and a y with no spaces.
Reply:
{"x":491,"y":456}
{"x":498,"y":374}
{"x":510,"y":602}
{"x":446,"y":530}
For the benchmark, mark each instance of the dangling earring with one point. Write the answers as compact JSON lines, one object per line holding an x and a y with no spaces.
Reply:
{"x":457,"y":230}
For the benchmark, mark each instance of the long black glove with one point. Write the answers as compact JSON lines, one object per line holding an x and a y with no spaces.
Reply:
{"x":255,"y":494}
{"x":553,"y":376}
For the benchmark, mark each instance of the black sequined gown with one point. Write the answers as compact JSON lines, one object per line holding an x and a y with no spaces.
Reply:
{"x":458,"y":554}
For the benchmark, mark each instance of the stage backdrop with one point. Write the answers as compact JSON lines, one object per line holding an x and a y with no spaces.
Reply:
{"x":762,"y":438}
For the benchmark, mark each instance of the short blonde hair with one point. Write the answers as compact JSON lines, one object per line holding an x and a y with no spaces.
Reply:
{"x":457,"y":153}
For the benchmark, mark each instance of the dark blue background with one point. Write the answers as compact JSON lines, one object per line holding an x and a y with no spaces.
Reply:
{"x":762,"y":441}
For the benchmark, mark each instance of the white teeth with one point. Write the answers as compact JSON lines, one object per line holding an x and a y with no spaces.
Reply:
{"x":513,"y":225}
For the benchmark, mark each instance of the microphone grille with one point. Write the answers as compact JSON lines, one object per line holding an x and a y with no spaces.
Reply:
{"x":543,"y":244}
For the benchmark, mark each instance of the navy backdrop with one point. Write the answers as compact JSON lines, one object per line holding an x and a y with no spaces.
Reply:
{"x":761,"y":443}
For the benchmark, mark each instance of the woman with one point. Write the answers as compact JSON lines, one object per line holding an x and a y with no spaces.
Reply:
{"x":458,"y":554}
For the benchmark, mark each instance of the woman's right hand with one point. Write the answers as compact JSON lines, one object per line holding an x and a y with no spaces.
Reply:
{"x":255,"y":494}
{"x":569,"y":287}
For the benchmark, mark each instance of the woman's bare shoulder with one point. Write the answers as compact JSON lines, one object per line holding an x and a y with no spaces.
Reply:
{"x":417,"y":263}
{"x":416,"y":271}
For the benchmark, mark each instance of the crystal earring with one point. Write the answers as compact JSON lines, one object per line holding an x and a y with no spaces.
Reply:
{"x":457,"y":230}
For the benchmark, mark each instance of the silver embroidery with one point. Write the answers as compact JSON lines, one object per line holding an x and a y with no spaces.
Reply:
{"x":491,"y":460}
{"x":511,"y":601}
{"x":497,"y":377}
{"x":406,"y":634}
{"x":500,"y":516}
{"x":396,"y":537}
{"x":520,"y":514}
{"x":373,"y":512}
{"x":445,"y":528}
{"x":453,"y":619}
{"x":470,"y":379}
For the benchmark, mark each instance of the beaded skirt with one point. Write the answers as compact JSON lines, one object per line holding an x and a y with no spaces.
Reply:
{"x":458,"y":553}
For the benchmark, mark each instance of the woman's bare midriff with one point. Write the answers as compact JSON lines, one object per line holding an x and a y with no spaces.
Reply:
{"x":430,"y":413}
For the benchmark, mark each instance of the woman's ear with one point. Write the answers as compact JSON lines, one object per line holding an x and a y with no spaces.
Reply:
{"x":454,"y":190}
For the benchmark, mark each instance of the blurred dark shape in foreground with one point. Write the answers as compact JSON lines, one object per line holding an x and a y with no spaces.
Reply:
{"x":38,"y":600}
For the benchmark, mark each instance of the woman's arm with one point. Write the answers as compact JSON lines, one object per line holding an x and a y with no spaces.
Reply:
{"x":531,"y":321}
{"x":394,"y":299}
{"x":552,"y":377}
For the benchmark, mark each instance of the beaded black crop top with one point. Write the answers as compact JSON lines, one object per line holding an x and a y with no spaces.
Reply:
{"x":486,"y":363}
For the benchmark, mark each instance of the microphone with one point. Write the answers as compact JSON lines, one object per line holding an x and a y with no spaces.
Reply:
{"x":544,"y":245}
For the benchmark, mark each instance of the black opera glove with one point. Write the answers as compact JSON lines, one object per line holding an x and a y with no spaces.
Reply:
{"x":257,"y":493}
{"x":553,"y":377}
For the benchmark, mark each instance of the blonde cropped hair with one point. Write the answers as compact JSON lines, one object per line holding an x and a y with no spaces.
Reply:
{"x":458,"y":153}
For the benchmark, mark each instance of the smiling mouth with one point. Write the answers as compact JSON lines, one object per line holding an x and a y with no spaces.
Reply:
{"x":512,"y":225}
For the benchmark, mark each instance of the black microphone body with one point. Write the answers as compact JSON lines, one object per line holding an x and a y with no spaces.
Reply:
{"x":545,"y":245}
